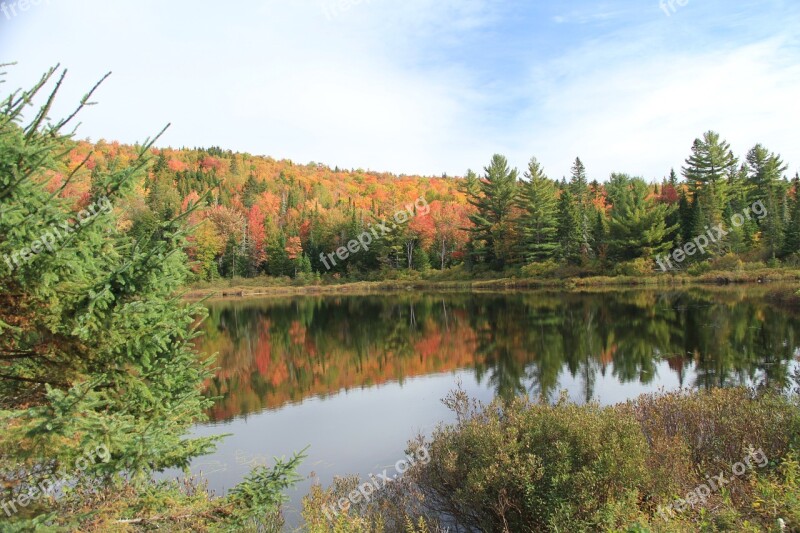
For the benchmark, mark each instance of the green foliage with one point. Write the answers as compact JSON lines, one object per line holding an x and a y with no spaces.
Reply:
{"x":260,"y":494}
{"x":538,"y":222}
{"x":569,"y":235}
{"x":494,"y":199}
{"x":638,"y":222}
{"x":521,"y":466}
{"x":96,"y":347}
{"x":707,"y":171}
{"x":96,"y":343}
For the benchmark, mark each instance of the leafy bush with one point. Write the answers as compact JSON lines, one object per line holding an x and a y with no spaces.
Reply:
{"x":700,"y":268}
{"x":727,"y":262}
{"x":637,"y":267}
{"x":522,"y":466}
{"x":718,"y":425}
{"x":539,"y":270}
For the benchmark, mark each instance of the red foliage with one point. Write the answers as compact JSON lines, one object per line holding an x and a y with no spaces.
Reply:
{"x":209,"y":162}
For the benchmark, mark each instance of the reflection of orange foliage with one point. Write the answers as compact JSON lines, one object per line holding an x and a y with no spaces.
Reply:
{"x":279,"y":374}
{"x":607,"y":356}
{"x":297,"y":332}
{"x":295,"y":371}
{"x":263,"y":349}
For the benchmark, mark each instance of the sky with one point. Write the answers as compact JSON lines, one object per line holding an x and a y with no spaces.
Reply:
{"x":424,"y":86}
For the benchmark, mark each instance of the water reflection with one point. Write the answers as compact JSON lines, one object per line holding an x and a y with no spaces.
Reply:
{"x":278,"y":351}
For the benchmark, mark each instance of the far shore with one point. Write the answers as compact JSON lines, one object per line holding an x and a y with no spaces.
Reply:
{"x":781,"y":283}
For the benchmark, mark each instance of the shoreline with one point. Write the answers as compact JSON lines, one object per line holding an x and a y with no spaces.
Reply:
{"x":761,"y":277}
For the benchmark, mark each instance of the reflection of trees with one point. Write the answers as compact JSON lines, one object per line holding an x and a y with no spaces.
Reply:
{"x":276,"y":351}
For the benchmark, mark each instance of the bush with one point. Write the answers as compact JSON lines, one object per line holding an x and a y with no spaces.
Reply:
{"x":637,"y":267}
{"x":699,"y":269}
{"x":728,"y":262}
{"x":539,"y":270}
{"x":523,"y":466}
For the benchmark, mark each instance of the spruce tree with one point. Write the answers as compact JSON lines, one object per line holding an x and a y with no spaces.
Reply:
{"x":673,"y":178}
{"x":707,"y":172}
{"x":569,"y":235}
{"x":791,"y":242}
{"x":580,"y":192}
{"x":97,"y":347}
{"x":494,"y":201}
{"x":97,"y":358}
{"x":538,"y":221}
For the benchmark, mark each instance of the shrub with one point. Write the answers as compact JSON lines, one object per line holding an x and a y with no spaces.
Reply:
{"x":539,"y":270}
{"x":718,"y":425}
{"x":637,"y":267}
{"x":730,"y":262}
{"x":700,"y":268}
{"x":523,"y":466}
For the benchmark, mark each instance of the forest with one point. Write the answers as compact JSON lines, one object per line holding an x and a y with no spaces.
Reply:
{"x":257,"y":216}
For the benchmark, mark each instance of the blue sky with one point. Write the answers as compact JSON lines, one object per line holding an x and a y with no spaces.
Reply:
{"x":426,"y":86}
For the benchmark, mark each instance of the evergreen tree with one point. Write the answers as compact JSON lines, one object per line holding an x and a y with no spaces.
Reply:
{"x":569,"y":236}
{"x":580,"y":192}
{"x":97,"y":346}
{"x":766,"y":171}
{"x":686,"y":215}
{"x":600,"y":237}
{"x":637,"y":227}
{"x":538,"y":221}
{"x":494,"y":201}
{"x":673,"y":178}
{"x":791,"y":242}
{"x":707,"y":171}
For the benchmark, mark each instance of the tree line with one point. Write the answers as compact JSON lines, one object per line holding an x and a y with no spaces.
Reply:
{"x":493,"y":221}
{"x":574,"y":221}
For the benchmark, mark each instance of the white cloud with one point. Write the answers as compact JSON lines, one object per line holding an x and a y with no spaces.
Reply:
{"x":642,"y":116}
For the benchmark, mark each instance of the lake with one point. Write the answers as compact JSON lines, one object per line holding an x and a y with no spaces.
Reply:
{"x":354,"y":377}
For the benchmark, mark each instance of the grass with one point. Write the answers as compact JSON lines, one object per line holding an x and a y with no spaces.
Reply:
{"x":493,"y":282}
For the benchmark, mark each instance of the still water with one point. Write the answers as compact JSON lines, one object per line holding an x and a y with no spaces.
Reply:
{"x":354,"y":377}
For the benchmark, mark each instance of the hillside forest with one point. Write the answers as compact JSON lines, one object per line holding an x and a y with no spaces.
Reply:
{"x":256,"y":215}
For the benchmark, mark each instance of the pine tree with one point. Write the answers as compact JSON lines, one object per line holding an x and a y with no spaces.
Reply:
{"x":766,"y":170}
{"x":637,"y":227}
{"x":494,"y":201}
{"x":92,"y":314}
{"x":580,"y":191}
{"x":686,"y":220}
{"x":569,"y":236}
{"x":707,"y":171}
{"x":791,"y":242}
{"x":673,"y":178}
{"x":538,"y":221}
